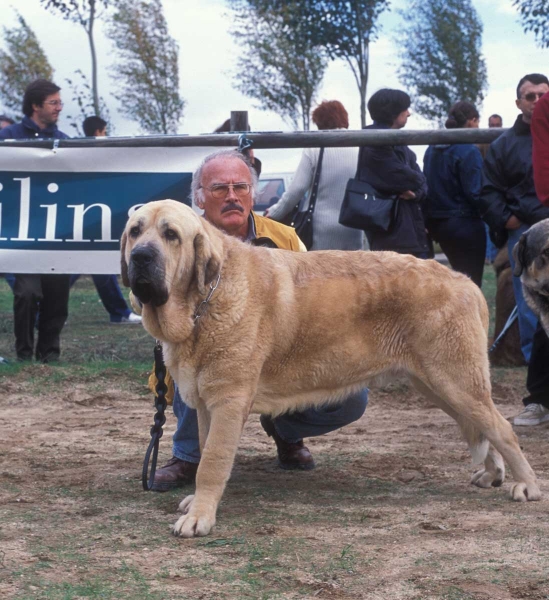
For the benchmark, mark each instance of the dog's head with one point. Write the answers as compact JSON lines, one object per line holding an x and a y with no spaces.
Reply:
{"x":166,"y":246}
{"x":531,"y":255}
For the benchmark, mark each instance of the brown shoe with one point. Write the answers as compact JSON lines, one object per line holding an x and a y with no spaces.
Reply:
{"x":174,"y":474}
{"x":291,"y":457}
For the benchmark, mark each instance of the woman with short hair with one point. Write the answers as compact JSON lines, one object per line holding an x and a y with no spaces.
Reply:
{"x":393,"y":172}
{"x":454,"y":177}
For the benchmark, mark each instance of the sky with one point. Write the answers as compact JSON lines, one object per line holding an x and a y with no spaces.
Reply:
{"x":208,"y":56}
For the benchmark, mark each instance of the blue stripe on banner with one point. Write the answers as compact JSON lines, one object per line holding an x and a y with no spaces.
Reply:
{"x":77,"y":211}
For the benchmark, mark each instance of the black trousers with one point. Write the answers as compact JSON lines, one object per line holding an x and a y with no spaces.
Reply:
{"x":45,"y":297}
{"x":537,"y":380}
{"x":463,"y":240}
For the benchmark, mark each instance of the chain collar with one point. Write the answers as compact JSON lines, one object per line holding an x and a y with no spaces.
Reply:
{"x":203,"y":305}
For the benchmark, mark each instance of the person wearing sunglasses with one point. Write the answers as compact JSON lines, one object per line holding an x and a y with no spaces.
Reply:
{"x":509,"y":205}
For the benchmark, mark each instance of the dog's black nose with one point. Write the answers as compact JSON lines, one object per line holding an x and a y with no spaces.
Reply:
{"x":142,"y":256}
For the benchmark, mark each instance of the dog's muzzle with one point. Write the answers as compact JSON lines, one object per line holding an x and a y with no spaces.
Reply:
{"x":146,"y":273}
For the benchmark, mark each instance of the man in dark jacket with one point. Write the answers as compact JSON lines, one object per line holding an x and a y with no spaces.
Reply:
{"x":509,"y":205}
{"x":508,"y":201}
{"x":44,"y":295}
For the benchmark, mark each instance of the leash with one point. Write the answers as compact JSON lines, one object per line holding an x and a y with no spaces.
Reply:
{"x":512,"y":318}
{"x":159,"y":418}
{"x":160,"y":403}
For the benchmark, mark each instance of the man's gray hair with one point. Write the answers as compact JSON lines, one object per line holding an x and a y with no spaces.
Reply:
{"x":197,"y":192}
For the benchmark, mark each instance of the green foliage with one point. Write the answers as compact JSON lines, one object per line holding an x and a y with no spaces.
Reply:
{"x":82,"y":95}
{"x":344,"y":28}
{"x":147,"y":72}
{"x":440,"y":49}
{"x":279,"y":68}
{"x":534,"y":16}
{"x":22,"y":62}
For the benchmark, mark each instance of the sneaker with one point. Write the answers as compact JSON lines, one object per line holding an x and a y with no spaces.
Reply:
{"x":533,"y":414}
{"x":131,"y":319}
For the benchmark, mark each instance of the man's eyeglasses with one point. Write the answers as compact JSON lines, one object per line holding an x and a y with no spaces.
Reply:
{"x":221,"y":190}
{"x":531,"y":96}
{"x":54,"y":103}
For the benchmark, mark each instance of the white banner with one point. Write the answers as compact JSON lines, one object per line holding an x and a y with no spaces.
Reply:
{"x":64,"y":210}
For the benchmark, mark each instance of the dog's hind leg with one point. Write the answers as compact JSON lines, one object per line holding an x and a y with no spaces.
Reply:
{"x":481,"y":450}
{"x":468,"y":395}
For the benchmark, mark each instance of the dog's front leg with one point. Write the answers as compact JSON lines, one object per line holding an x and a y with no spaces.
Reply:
{"x":203,"y":424}
{"x":227,"y":419}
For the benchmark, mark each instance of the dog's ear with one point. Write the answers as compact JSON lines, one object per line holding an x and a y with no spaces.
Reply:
{"x":123,"y":263}
{"x":207,"y":262}
{"x":519,"y":256}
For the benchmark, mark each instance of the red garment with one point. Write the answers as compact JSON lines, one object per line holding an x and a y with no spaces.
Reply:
{"x":540,"y":148}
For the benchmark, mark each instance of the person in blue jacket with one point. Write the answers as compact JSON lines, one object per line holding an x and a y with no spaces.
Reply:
{"x":454,"y":181}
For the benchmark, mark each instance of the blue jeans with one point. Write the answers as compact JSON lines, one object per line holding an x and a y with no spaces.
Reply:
{"x":491,"y":250}
{"x":290,"y":427}
{"x":527,"y":320}
{"x":111,"y":296}
{"x":463,"y":240}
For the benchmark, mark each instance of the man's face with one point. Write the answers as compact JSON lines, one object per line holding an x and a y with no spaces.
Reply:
{"x":530,"y":93}
{"x":48,"y":113}
{"x":229,"y":212}
{"x":4,"y":124}
{"x":494,"y":122}
{"x":101,"y":132}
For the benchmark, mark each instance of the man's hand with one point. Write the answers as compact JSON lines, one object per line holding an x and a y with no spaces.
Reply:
{"x":513,"y":223}
{"x":266,"y":213}
{"x":407,"y":195}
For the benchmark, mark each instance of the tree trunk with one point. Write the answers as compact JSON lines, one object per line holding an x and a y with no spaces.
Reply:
{"x":364,"y":84}
{"x":89,"y":31}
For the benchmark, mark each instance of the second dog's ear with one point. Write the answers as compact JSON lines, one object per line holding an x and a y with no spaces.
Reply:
{"x":519,"y":256}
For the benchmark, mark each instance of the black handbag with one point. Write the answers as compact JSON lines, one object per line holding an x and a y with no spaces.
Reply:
{"x":364,"y":208}
{"x":302,"y":220}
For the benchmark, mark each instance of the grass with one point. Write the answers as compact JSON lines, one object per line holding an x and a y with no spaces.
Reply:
{"x":88,"y":339}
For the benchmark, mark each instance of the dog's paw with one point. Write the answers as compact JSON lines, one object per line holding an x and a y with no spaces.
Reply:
{"x":522,"y":492}
{"x":189,"y":526}
{"x":185,"y":504}
{"x":487,"y":479}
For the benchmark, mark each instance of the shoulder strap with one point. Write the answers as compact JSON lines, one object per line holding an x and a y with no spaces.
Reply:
{"x":314,"y":187}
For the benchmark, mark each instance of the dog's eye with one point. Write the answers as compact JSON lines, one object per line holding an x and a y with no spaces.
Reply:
{"x":134,"y":231}
{"x":170,"y":234}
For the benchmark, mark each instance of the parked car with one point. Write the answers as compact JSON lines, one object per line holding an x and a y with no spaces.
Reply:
{"x":271,"y":188}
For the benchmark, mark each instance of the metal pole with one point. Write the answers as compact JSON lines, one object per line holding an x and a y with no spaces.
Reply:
{"x":239,"y":120}
{"x":300,"y":139}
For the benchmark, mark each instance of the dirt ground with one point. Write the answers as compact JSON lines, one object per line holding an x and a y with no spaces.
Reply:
{"x":387,"y":514}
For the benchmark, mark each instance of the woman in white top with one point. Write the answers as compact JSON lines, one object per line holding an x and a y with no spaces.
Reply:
{"x":338,"y":166}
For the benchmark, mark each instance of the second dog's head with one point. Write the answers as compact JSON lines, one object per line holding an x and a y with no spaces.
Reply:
{"x":531,"y":255}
